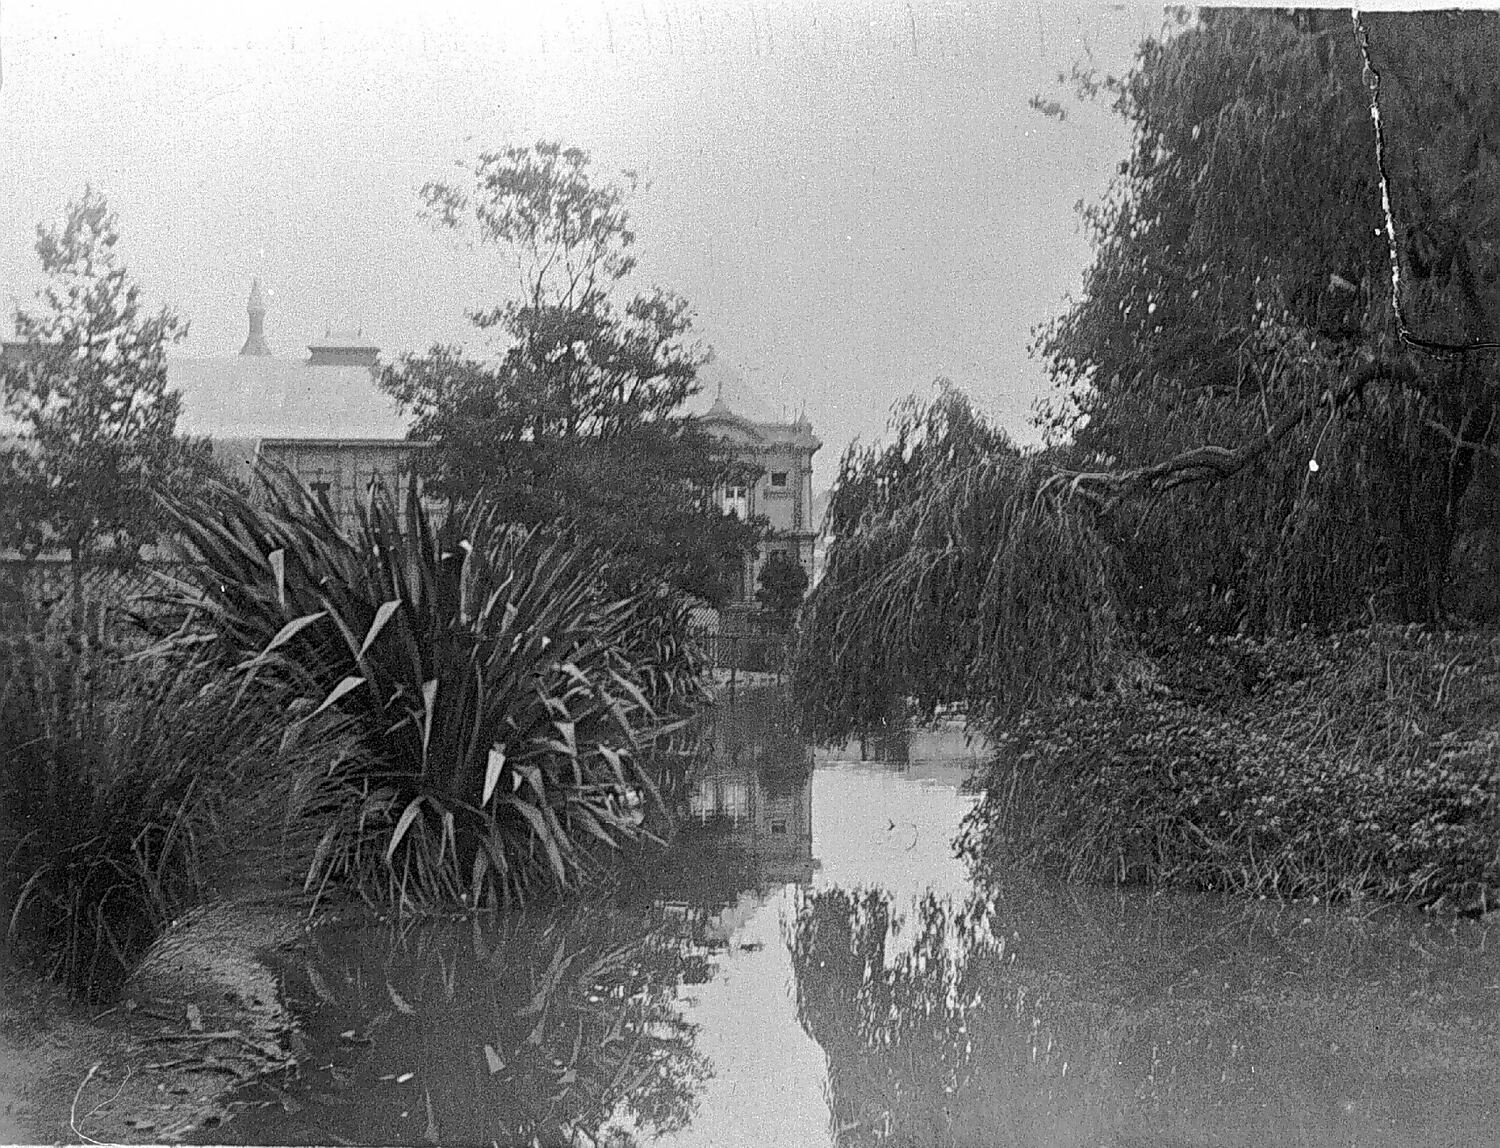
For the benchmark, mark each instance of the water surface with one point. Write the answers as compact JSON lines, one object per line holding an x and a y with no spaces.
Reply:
{"x":813,"y":965}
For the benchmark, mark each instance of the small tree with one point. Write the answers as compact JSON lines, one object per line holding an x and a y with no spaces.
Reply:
{"x":87,"y":391}
{"x":783,"y":583}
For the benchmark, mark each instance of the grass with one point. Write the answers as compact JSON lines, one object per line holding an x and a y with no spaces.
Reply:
{"x":120,"y":782}
{"x":1362,"y":763}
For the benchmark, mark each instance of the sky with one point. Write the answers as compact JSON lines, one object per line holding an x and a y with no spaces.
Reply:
{"x":853,"y":195}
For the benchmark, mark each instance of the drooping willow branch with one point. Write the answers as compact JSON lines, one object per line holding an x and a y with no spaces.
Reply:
{"x":1209,"y":464}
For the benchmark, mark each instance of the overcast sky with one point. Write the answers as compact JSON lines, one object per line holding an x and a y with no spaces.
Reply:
{"x":853,"y":194}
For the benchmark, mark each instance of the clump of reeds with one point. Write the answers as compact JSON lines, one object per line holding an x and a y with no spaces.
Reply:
{"x":131,"y":789}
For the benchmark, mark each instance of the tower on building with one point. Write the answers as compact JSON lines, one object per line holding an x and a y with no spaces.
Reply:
{"x":255,"y":342}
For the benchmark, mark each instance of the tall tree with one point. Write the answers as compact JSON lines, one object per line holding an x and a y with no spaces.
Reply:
{"x":86,"y":388}
{"x":578,"y":420}
{"x":1243,"y":276}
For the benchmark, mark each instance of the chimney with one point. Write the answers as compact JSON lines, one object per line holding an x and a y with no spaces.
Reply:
{"x":255,"y":343}
{"x":343,"y":349}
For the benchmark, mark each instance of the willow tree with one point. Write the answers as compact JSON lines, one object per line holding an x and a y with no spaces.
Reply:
{"x":1275,"y":397}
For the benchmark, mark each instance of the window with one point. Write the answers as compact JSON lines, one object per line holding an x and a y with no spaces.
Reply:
{"x":778,"y":480}
{"x":778,"y":827}
{"x":737,"y":501}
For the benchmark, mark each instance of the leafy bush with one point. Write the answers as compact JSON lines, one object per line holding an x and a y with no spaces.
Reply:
{"x":120,"y":782}
{"x":1361,"y":763}
{"x":502,"y":696}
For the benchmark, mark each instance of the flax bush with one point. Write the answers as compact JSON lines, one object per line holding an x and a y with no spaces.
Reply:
{"x":503,"y":697}
{"x":1362,"y":763}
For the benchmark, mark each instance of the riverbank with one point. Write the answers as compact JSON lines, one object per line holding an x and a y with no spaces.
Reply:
{"x":1364,"y":763}
{"x":201,"y":1016}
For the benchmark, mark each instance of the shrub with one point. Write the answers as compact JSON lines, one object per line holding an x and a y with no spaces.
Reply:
{"x":504,"y":699}
{"x":1362,"y":763}
{"x":120,"y":782}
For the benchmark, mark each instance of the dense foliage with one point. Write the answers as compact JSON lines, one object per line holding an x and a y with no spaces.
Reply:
{"x":783,"y":585}
{"x":502,"y":695}
{"x":1364,"y":763}
{"x":86,"y":391}
{"x":579,"y":419}
{"x":121,"y":783}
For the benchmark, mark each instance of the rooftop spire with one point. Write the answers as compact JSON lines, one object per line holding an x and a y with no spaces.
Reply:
{"x":255,"y":343}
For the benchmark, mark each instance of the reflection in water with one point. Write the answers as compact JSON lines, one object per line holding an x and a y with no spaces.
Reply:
{"x":811,"y":963}
{"x":1037,"y":1015}
{"x":456,"y":1034}
{"x":562,"y":1025}
{"x":754,"y":781}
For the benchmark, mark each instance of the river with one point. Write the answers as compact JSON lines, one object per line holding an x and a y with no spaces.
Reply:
{"x":813,"y":963}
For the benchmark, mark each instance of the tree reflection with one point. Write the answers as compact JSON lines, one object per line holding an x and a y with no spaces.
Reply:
{"x":542,"y":1030}
{"x":1045,"y":1014}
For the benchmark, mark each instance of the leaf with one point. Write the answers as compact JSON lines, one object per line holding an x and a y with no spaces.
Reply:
{"x":539,"y":826}
{"x":432,"y":1135}
{"x":429,"y":706}
{"x":402,"y":1006}
{"x":408,"y":815}
{"x":277,"y":559}
{"x":336,"y":693}
{"x":492,"y":1058}
{"x":492,"y":773}
{"x":291,"y":630}
{"x":382,"y":616}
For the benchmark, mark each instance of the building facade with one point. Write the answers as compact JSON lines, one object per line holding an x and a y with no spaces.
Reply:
{"x":781,"y":494}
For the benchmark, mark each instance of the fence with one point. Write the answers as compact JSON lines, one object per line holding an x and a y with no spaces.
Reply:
{"x":38,"y":589}
{"x":749,"y":653}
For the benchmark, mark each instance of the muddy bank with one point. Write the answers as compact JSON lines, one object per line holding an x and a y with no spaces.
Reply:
{"x":201,"y":1015}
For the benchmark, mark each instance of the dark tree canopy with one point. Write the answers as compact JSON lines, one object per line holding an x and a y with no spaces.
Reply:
{"x":783,"y":583}
{"x":86,"y":389}
{"x":1252,"y":426}
{"x":578,"y":420}
{"x":1243,"y":276}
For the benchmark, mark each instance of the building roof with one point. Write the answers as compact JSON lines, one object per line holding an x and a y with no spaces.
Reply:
{"x":257,"y":396}
{"x":797,"y":435}
{"x":736,"y":407}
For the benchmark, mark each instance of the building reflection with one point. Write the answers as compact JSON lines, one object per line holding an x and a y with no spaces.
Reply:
{"x":753,"y":781}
